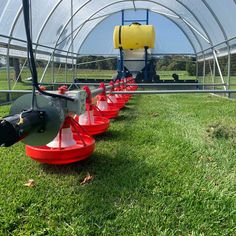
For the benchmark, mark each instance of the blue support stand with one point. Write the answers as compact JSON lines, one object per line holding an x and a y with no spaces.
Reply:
{"x":146,"y":63}
{"x":120,"y":65}
{"x":122,"y":72}
{"x":147,"y":17}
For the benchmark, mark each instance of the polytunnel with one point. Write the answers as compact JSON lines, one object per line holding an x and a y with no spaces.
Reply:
{"x":117,"y":117}
{"x":60,"y":28}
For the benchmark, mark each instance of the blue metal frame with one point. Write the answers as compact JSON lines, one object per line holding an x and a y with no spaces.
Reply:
{"x":146,"y":62}
{"x":122,"y":71}
{"x":123,"y":20}
{"x":120,"y":62}
{"x":122,"y":17}
{"x":147,"y":17}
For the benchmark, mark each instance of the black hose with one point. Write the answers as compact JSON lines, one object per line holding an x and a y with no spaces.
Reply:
{"x":32,"y":65}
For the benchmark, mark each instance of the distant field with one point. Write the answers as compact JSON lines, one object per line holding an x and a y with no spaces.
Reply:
{"x":61,"y":76}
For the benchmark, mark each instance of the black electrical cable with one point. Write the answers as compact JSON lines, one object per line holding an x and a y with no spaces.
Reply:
{"x":32,"y":65}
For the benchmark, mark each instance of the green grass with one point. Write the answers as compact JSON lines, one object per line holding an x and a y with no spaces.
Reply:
{"x":165,"y":167}
{"x":58,"y":73}
{"x":81,"y":73}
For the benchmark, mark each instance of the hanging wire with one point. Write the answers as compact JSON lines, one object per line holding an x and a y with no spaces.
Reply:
{"x":30,"y":55}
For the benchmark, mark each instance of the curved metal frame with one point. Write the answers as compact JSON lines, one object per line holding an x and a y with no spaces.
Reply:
{"x":169,"y":18}
{"x":217,"y":20}
{"x":8,"y":46}
{"x":127,"y":1}
{"x":155,"y":3}
{"x":204,"y":1}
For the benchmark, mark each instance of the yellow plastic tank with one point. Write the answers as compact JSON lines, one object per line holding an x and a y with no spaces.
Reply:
{"x":134,"y":36}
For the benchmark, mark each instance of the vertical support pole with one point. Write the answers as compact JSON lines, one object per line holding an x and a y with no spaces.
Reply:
{"x":122,"y":17}
{"x":66,"y":70}
{"x":122,"y":63}
{"x":8,"y":76}
{"x":53,"y":69}
{"x":204,"y":72}
{"x":219,"y":69}
{"x":72,"y":39}
{"x":147,"y":17}
{"x":45,"y":69}
{"x":197,"y":70}
{"x":75,"y":75}
{"x":146,"y":63}
{"x":229,"y":71}
{"x":22,"y":68}
{"x":214,"y":73}
{"x":197,"y":67}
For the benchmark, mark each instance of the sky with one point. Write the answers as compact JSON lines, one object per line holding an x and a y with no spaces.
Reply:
{"x":169,"y":38}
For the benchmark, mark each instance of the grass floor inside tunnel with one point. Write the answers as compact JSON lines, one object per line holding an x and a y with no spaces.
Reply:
{"x":165,"y":167}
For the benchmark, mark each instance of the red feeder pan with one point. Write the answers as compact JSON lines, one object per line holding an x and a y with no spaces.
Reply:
{"x":103,"y":108}
{"x":111,"y":99}
{"x":99,"y":125}
{"x":82,"y":147}
{"x":111,"y":112}
{"x":121,"y":97}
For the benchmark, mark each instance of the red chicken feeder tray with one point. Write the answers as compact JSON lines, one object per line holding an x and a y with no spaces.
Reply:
{"x":60,"y":156}
{"x":120,"y":105}
{"x":67,"y":147}
{"x":121,"y":100}
{"x":110,"y":113}
{"x":112,"y":99}
{"x":126,"y":97}
{"x":100,"y":125}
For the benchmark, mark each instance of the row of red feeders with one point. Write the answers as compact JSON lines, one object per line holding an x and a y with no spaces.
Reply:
{"x":92,"y":124}
{"x":114,"y":99}
{"x":108,"y":110}
{"x":74,"y":141}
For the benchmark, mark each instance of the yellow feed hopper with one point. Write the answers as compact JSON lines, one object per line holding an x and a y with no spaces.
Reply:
{"x":134,"y":36}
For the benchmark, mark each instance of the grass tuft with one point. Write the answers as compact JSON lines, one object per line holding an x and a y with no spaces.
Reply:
{"x":222,"y":131}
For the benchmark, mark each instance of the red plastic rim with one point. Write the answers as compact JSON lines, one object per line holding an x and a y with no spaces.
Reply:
{"x":101,"y":125}
{"x":61,"y":156}
{"x":112,"y":112}
{"x":119,"y":104}
{"x":84,"y":147}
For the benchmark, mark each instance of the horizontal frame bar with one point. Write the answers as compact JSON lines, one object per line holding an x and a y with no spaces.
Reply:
{"x":172,"y":91}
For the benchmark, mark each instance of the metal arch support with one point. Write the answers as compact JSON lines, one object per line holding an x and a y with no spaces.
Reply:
{"x":44,"y":25}
{"x":46,"y":21}
{"x":208,"y":36}
{"x":196,"y":18}
{"x":186,"y":35}
{"x":56,"y":43}
{"x":225,"y":37}
{"x":134,"y":5}
{"x":128,"y":1}
{"x":169,"y":18}
{"x":48,"y":18}
{"x":216,"y":19}
{"x":69,"y":20}
{"x":148,"y":1}
{"x":8,"y":45}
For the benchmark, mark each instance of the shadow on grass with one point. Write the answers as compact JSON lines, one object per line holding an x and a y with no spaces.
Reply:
{"x":70,"y":169}
{"x":109,"y":135}
{"x":121,"y":117}
{"x":118,"y":179}
{"x":131,"y":103}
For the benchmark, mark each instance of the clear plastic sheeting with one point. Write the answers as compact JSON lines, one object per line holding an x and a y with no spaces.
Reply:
{"x":65,"y":24}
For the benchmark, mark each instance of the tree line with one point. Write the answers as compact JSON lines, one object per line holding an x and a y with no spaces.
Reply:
{"x":170,"y":63}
